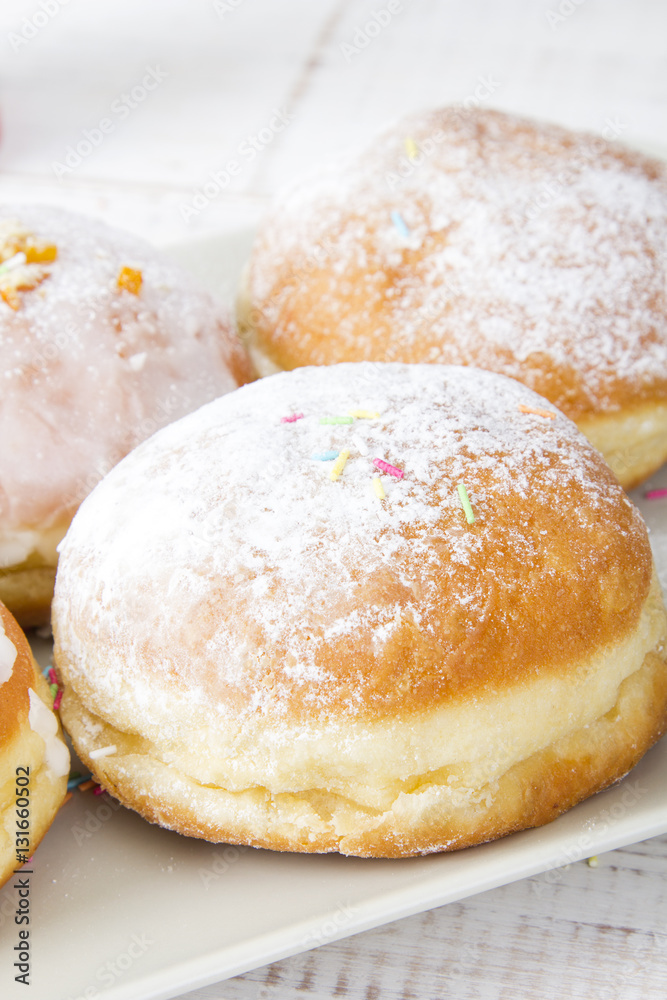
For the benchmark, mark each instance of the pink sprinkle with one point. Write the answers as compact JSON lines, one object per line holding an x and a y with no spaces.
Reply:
{"x":656,"y":494}
{"x":291,"y":418}
{"x":56,"y":701}
{"x":391,"y":470}
{"x":98,"y":790}
{"x":52,"y":676}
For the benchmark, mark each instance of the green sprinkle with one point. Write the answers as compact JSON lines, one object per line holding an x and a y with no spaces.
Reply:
{"x":336,"y":420}
{"x":465,"y":503}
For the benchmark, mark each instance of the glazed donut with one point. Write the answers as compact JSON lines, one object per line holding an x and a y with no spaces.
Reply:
{"x":103,"y":342}
{"x":34,"y":760}
{"x":478,"y":238}
{"x":377,"y":609}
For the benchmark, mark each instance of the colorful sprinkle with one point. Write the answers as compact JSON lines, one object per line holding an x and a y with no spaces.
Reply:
{"x":655,"y":494}
{"x":593,"y":861}
{"x":362,"y":447}
{"x":363,"y":414}
{"x":51,"y":674}
{"x":379,"y":488}
{"x":292,"y":418}
{"x":76,"y":779}
{"x":400,"y":224}
{"x":339,"y":465}
{"x":391,"y":470}
{"x":102,"y":752}
{"x":411,"y":148}
{"x":54,"y":690}
{"x":99,"y":790}
{"x":16,"y":261}
{"x":540,"y":413}
{"x":325,"y":456}
{"x":130,"y":279}
{"x":336,"y":420}
{"x":86,"y":785}
{"x":465,"y":503}
{"x":56,"y":701}
{"x":66,"y":799}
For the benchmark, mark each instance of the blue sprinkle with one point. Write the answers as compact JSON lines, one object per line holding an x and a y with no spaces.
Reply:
{"x":325,"y":456}
{"x":78,"y":780}
{"x":399,"y":222}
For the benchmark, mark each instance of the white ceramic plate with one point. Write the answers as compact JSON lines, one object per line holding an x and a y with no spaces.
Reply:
{"x":127,"y":911}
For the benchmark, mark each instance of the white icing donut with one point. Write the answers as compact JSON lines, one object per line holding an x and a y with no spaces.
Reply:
{"x":101,"y":345}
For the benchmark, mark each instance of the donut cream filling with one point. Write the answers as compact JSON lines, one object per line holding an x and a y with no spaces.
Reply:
{"x":29,"y":548}
{"x":462,"y":749}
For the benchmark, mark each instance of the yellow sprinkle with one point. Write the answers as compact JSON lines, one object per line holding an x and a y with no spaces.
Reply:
{"x":379,"y":488}
{"x":339,"y":465}
{"x":130,"y":279}
{"x":411,"y":148}
{"x":593,"y":861}
{"x":363,"y":414}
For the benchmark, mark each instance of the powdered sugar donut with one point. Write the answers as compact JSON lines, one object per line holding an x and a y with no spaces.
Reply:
{"x":475,"y":237}
{"x":103,"y":342}
{"x":376,"y":609}
{"x":34,"y":758}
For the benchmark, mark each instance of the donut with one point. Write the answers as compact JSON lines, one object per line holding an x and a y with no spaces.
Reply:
{"x":34,"y":760}
{"x":379,"y":609}
{"x":473,"y":237}
{"x":103,"y":341}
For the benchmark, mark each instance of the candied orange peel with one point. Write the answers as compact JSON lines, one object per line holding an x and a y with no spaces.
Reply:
{"x":22,"y":259}
{"x":130,"y":279}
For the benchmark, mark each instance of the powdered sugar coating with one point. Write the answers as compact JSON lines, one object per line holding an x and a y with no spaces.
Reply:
{"x":533,"y":251}
{"x":222,"y":555}
{"x":89,"y":369}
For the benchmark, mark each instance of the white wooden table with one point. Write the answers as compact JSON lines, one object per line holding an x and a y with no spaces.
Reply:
{"x":185,"y":88}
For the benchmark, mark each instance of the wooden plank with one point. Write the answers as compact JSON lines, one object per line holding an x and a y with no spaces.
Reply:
{"x":578,"y":931}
